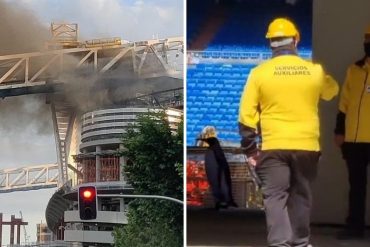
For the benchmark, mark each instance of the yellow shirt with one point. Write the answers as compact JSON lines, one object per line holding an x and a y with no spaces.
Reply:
{"x":355,"y":103}
{"x":283,"y":94}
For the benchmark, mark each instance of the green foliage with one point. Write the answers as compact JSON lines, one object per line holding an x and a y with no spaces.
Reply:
{"x":156,"y":168}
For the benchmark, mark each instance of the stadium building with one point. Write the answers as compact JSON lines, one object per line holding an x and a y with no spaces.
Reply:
{"x":91,"y":114}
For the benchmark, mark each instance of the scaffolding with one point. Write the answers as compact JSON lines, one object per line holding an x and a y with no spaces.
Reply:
{"x":109,"y":169}
{"x":107,"y":42}
{"x":63,"y":36}
{"x":88,"y":170}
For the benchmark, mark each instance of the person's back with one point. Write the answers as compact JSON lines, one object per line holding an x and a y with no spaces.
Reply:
{"x":289,"y":89}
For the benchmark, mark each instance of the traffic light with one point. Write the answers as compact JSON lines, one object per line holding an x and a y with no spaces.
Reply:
{"x":87,"y":202}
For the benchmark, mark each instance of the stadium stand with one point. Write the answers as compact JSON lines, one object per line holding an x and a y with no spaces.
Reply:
{"x":215,"y":79}
{"x":213,"y":93}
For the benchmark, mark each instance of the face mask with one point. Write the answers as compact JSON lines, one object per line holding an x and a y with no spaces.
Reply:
{"x":367,"y":49}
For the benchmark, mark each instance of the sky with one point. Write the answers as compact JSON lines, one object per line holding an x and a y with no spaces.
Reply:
{"x":26,"y":132}
{"x":129,"y":19}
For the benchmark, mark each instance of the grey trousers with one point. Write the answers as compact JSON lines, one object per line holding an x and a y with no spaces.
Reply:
{"x":285,"y":176}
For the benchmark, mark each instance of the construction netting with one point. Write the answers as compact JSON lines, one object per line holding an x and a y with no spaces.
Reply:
{"x":109,"y":169}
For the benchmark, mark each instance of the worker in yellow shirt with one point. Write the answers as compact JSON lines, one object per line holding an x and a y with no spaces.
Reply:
{"x":282,"y":95}
{"x":352,"y":134}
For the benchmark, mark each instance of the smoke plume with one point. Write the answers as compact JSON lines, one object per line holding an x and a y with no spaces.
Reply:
{"x":20,"y":31}
{"x":25,"y":114}
{"x":96,"y":92}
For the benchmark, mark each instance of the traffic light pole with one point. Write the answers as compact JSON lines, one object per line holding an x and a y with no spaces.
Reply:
{"x":142,"y":196}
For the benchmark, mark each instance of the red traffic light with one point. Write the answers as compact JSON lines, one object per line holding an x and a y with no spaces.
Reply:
{"x":87,"y":202}
{"x":87,"y":194}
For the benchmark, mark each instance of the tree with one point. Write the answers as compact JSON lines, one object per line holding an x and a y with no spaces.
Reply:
{"x":155,"y":168}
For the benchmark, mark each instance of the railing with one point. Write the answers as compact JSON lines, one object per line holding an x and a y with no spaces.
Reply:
{"x":252,"y":57}
{"x":48,"y":244}
{"x":32,"y":69}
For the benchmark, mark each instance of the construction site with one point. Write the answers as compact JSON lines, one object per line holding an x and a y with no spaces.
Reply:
{"x":95,"y":89}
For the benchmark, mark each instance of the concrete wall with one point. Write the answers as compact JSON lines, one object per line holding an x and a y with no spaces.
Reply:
{"x":338,"y":28}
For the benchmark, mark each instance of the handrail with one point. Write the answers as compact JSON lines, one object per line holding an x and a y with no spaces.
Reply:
{"x":217,"y":56}
{"x":142,"y":196}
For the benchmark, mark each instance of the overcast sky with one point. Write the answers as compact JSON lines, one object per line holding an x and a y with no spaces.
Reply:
{"x":26,"y":133}
{"x":128,"y":19}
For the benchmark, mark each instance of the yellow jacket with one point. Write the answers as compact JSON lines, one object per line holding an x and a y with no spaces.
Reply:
{"x":282,"y":95}
{"x":355,"y":103}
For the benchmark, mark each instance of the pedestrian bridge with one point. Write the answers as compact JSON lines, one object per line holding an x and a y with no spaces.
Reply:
{"x":29,"y":178}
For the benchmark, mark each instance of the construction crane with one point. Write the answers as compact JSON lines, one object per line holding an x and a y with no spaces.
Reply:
{"x":26,"y":237}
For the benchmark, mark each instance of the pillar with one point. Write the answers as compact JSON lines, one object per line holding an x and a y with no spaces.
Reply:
{"x":19,"y":233}
{"x":84,"y":167}
{"x":12,"y":221}
{"x":121,"y":165}
{"x":97,"y":163}
{"x":121,"y":205}
{"x":1,"y":228}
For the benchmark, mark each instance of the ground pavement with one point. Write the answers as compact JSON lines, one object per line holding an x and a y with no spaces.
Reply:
{"x":246,"y":228}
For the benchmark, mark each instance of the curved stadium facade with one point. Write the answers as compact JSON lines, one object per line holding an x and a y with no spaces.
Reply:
{"x":97,"y":163}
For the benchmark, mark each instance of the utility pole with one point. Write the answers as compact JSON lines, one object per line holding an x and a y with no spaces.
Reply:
{"x":24,"y":229}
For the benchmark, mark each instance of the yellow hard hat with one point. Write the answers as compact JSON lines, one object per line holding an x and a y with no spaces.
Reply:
{"x":282,"y":27}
